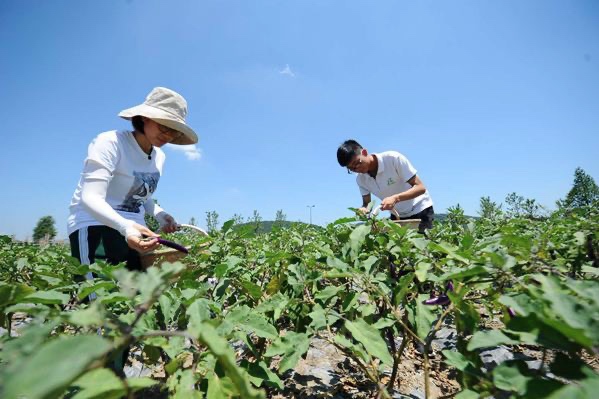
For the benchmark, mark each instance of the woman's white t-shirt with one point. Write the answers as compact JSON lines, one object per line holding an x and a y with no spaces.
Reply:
{"x":134,"y":177}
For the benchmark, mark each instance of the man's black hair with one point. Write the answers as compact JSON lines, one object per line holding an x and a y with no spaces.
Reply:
{"x":138,"y":123}
{"x":347,"y":151}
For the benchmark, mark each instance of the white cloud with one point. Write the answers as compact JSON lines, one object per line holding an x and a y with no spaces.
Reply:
{"x":192,"y":152}
{"x":287,"y":71}
{"x":233,"y":192}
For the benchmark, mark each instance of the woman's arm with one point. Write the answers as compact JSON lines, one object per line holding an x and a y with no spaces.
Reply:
{"x":168,"y":224}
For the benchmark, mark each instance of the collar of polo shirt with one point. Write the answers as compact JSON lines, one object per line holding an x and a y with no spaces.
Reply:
{"x":381,"y":164}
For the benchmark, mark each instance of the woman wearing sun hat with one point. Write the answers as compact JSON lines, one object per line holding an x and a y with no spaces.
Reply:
{"x":120,"y":174}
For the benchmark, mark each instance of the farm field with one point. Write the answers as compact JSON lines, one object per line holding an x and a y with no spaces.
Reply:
{"x":503,"y":307}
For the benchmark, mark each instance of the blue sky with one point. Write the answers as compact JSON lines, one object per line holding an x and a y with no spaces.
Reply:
{"x":484,"y":97}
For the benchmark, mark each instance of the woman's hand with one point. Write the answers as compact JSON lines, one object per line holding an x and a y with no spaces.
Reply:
{"x":169,"y":224}
{"x":137,"y":242}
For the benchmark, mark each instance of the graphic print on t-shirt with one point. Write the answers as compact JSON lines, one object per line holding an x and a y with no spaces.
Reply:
{"x":144,"y":184}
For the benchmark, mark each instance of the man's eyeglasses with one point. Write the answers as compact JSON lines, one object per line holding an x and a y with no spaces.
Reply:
{"x":351,"y":167}
{"x":169,"y":133}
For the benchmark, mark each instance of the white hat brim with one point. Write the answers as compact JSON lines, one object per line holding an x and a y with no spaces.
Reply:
{"x":164,"y":118}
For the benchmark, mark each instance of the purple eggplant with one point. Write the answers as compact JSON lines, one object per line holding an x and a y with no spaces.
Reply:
{"x":437,"y":300}
{"x":511,"y":312}
{"x":173,"y":245}
{"x":449,"y":286}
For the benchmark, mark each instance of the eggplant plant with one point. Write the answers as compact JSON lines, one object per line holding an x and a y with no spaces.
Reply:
{"x":242,"y":309}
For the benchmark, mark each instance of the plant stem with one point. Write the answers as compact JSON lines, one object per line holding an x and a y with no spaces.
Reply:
{"x":543,"y":360}
{"x":427,"y":392}
{"x":351,"y":355}
{"x":396,"y":359}
{"x":9,"y":326}
{"x":427,"y":347}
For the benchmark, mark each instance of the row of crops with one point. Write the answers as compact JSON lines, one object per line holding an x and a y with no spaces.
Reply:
{"x":240,"y":311}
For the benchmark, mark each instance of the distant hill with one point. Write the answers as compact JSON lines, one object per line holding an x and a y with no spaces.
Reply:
{"x":440,"y":217}
{"x":266,"y":226}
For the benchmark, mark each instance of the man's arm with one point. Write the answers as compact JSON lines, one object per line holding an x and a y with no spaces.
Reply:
{"x":418,"y":188}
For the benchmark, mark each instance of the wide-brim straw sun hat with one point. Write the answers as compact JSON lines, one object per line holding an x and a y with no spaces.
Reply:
{"x":167,"y":108}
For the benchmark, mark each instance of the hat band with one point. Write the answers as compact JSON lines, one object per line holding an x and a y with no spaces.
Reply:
{"x":177,"y":117}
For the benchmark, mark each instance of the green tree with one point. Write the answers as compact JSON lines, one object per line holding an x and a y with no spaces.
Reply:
{"x":515,"y":205}
{"x":531,"y":209}
{"x":44,"y":229}
{"x":256,"y":219}
{"x":212,"y":221}
{"x":520,"y":207}
{"x":489,"y":209}
{"x":192,"y":221}
{"x":280,"y":217}
{"x":237,"y":218}
{"x":456,"y":217}
{"x":584,"y":192}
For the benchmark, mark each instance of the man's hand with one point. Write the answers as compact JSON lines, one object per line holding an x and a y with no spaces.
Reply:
{"x":140,"y":244}
{"x":363,"y":210}
{"x":389,"y":202}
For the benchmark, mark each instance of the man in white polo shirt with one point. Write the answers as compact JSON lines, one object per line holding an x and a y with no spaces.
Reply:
{"x":391,"y":177}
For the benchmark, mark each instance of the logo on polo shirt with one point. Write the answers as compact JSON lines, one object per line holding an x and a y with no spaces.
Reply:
{"x":390,"y":181}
